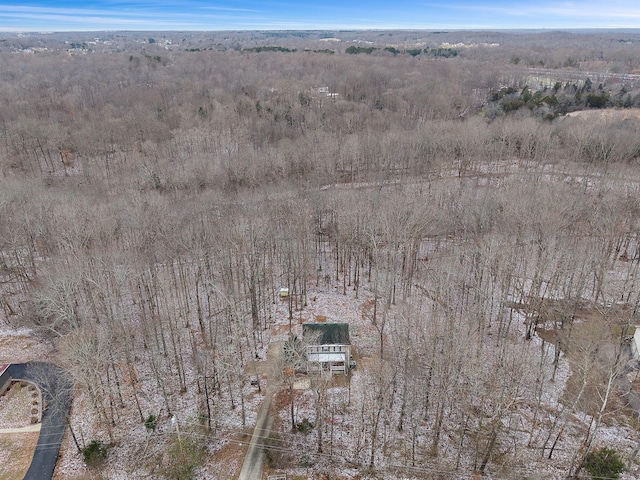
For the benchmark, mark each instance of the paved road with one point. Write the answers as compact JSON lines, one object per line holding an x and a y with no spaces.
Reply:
{"x":57,"y":396}
{"x":254,"y":458}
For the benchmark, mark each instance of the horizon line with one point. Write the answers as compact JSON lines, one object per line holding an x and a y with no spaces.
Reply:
{"x":337,"y":29}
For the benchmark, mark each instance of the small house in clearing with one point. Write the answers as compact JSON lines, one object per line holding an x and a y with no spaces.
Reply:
{"x":328,"y":347}
{"x":283,"y":293}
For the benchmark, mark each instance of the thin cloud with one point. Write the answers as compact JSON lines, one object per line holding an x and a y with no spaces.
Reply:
{"x":282,"y":14}
{"x":120,"y":17}
{"x":98,"y":23}
{"x":229,"y":9}
{"x":26,"y":10}
{"x":590,"y":10}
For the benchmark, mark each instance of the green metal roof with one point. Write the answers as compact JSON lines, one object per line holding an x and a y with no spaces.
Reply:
{"x":326,"y":333}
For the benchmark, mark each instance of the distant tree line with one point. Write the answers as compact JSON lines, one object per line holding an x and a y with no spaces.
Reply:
{"x":550,"y":102}
{"x":441,"y":52}
{"x":270,"y":48}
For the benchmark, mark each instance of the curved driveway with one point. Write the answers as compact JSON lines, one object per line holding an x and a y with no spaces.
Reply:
{"x":56,"y":388}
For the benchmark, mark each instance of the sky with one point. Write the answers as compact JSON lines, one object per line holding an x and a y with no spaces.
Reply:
{"x":156,"y":15}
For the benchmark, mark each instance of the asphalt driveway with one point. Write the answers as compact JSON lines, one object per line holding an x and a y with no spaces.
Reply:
{"x":57,"y":395}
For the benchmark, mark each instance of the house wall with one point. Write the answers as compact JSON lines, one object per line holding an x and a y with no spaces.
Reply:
{"x":335,"y":355}
{"x":635,"y":344}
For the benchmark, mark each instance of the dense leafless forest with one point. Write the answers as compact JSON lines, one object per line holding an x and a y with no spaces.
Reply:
{"x":467,"y":201}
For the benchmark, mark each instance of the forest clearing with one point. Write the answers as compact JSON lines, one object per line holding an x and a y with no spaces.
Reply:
{"x":480,"y":239}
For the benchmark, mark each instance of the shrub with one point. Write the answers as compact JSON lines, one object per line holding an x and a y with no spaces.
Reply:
{"x":277,"y":458}
{"x":94,"y":453}
{"x":597,"y":101}
{"x":151,"y":423}
{"x":305,"y":426}
{"x":604,"y":463}
{"x":184,"y":457}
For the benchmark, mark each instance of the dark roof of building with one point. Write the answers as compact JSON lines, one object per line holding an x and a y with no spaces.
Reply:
{"x":326,"y":333}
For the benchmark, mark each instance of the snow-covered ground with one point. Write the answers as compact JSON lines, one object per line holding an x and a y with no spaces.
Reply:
{"x":530,"y":417}
{"x":135,"y":452}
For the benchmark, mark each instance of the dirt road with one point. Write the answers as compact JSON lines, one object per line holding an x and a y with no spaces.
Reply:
{"x":254,"y":458}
